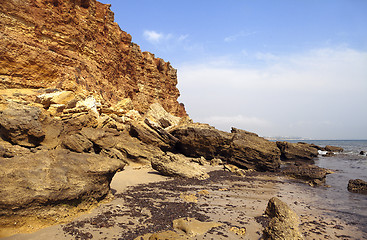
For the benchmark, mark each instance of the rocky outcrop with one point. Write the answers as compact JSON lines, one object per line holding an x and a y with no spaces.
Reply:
{"x":333,"y":149}
{"x":312,"y":174}
{"x":297,"y":151}
{"x":241,"y":148}
{"x":175,"y":165}
{"x":283,"y":221}
{"x":357,"y":186}
{"x":77,"y":46}
{"x":248,"y":149}
{"x":51,"y":177}
{"x":20,"y":125}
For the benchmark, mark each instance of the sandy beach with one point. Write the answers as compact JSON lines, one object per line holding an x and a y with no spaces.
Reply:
{"x":145,"y":202}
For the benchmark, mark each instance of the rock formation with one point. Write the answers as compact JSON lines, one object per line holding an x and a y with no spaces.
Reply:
{"x":283,"y":221}
{"x":312,"y":174}
{"x":176,"y":165}
{"x":357,"y":186}
{"x":297,"y":151}
{"x":241,"y":148}
{"x":77,"y":46}
{"x":79,"y":101}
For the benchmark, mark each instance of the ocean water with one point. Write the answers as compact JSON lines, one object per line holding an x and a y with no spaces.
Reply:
{"x":351,"y":207}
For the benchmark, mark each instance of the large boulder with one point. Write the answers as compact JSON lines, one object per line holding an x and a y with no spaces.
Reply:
{"x":21,"y":124}
{"x":333,"y":149}
{"x":248,"y":149}
{"x":283,"y":223}
{"x":53,"y":177}
{"x":310,"y":173}
{"x":196,"y":140}
{"x":240,"y":147}
{"x":66,"y":98}
{"x":152,"y":134}
{"x":120,"y":145}
{"x":357,"y":186}
{"x":160,"y":116}
{"x":77,"y":143}
{"x":175,"y":165}
{"x":296,"y":151}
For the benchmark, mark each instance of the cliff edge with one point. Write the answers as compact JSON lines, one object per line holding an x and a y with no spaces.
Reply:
{"x":75,"y":45}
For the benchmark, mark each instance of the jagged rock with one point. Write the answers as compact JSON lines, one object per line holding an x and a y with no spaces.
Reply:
{"x":240,"y":147}
{"x":357,"y":186}
{"x":152,"y":135}
{"x":21,"y":125}
{"x":283,"y":222}
{"x":216,"y":162}
{"x":175,"y":165}
{"x":160,"y":116}
{"x":296,"y":151}
{"x":76,"y":121}
{"x":120,"y":108}
{"x":314,"y":174}
{"x":77,"y":46}
{"x":53,"y":177}
{"x":77,"y":143}
{"x":65,"y":98}
{"x":120,"y":145}
{"x":89,"y":104}
{"x":196,"y":140}
{"x":249,"y":151}
{"x":8,"y":150}
{"x":333,"y":148}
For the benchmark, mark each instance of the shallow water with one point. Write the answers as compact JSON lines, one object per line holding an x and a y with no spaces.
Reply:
{"x":351,"y":207}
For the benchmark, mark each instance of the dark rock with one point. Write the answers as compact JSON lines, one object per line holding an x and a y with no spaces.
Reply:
{"x":333,"y":149}
{"x":306,"y":172}
{"x":296,"y":151}
{"x":362,"y":152}
{"x":328,"y":154}
{"x":284,"y":221}
{"x":242,"y":148}
{"x":196,"y":140}
{"x":316,"y":146}
{"x":357,"y":186}
{"x":53,"y":177}
{"x":21,"y":125}
{"x":249,"y":150}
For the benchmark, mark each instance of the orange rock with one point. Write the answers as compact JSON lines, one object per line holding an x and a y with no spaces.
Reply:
{"x":77,"y":46}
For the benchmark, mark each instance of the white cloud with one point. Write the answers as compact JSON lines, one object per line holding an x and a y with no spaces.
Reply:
{"x":319,"y":86}
{"x":156,"y":38}
{"x":236,"y":36}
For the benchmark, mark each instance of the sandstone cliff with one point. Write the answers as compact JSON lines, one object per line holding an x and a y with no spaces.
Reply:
{"x":76,"y":45}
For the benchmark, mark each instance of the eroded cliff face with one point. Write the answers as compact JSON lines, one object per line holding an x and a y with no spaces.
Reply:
{"x":76,"y":45}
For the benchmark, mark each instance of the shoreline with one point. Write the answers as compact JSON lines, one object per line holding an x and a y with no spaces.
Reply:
{"x":146,"y":202}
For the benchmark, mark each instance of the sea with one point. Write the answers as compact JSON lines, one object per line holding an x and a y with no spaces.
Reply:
{"x":350,"y":164}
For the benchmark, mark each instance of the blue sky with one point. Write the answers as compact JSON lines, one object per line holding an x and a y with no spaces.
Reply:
{"x":277,"y":68}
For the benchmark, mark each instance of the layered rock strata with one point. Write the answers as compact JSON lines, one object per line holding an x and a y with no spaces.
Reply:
{"x":239,"y":147}
{"x":77,"y":46}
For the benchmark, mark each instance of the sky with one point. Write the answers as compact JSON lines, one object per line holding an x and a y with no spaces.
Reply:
{"x":276,"y":68}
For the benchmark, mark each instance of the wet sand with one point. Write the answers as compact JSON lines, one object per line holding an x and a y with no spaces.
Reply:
{"x":146,"y":202}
